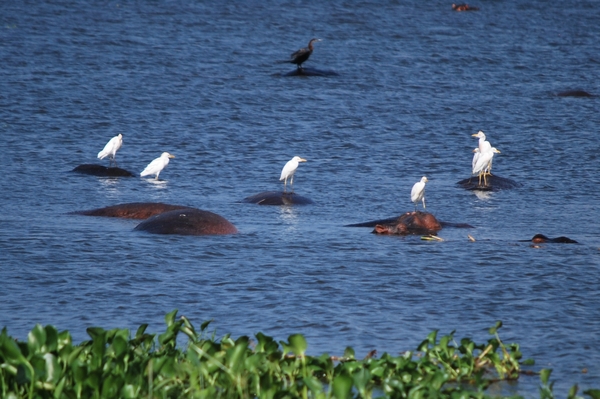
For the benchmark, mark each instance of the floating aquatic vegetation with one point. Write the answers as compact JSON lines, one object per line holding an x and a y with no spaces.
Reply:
{"x":114,"y":365}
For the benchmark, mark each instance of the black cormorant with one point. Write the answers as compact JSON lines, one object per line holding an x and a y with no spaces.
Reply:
{"x":302,"y":55}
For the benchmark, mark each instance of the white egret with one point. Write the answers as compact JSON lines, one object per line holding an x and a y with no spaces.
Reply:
{"x":111,"y":148}
{"x":156,"y":166}
{"x":488,"y":168}
{"x":417,"y":193}
{"x":484,"y":164}
{"x":484,"y":145}
{"x":288,"y":171}
{"x":475,"y":157}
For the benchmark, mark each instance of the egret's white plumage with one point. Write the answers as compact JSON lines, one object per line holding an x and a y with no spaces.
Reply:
{"x":288,"y":171}
{"x":488,"y":168}
{"x":111,"y":148}
{"x":484,"y":145}
{"x":156,"y":166}
{"x":417,"y":194}
{"x":475,"y":157}
{"x":484,"y":163}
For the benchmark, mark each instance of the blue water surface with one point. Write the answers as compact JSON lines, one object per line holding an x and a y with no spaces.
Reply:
{"x":202,"y":80}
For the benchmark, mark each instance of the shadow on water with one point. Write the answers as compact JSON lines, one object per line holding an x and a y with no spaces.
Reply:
{"x":494,"y":183}
{"x":311,"y":72}
{"x":99,"y":170}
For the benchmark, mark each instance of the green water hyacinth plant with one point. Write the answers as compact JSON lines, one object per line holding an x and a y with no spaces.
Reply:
{"x":112,"y":364}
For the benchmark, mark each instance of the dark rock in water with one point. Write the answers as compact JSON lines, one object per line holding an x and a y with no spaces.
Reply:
{"x":495,"y":183}
{"x":574,"y":93}
{"x":278,"y":198}
{"x":99,"y":170}
{"x":540,"y":238}
{"x":188,"y":221}
{"x":310,"y":72}
{"x":133,"y":210}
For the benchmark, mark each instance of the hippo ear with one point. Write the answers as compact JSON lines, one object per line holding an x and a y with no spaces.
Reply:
{"x":380,"y":229}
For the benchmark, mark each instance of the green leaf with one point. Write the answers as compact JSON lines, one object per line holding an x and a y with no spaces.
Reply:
{"x":53,"y":369}
{"x":141,"y":330}
{"x":59,"y":388}
{"x":10,"y":351}
{"x":495,"y":329}
{"x":341,"y":386}
{"x":298,"y":344}
{"x":170,"y":317}
{"x":430,"y":340}
{"x":573,"y":392}
{"x":528,"y":362}
{"x":130,"y":391}
{"x":36,"y":339}
{"x":545,"y":375}
{"x":120,"y":347}
{"x":313,"y":384}
{"x":237,"y":355}
{"x":51,"y":338}
{"x":205,"y":324}
{"x":349,"y":353}
{"x":95,"y":332}
{"x":64,"y":339}
{"x":361,"y":379}
{"x":78,"y":371}
{"x":594,"y":393}
{"x":93,"y":381}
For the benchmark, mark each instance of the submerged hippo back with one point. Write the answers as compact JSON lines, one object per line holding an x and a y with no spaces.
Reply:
{"x":188,"y":221}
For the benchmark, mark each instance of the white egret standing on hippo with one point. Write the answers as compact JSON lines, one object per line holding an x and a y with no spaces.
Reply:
{"x":483,"y":164}
{"x":288,"y":171}
{"x":156,"y":166}
{"x":484,"y":145}
{"x":111,"y":148}
{"x":476,"y":153}
{"x":417,"y":194}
